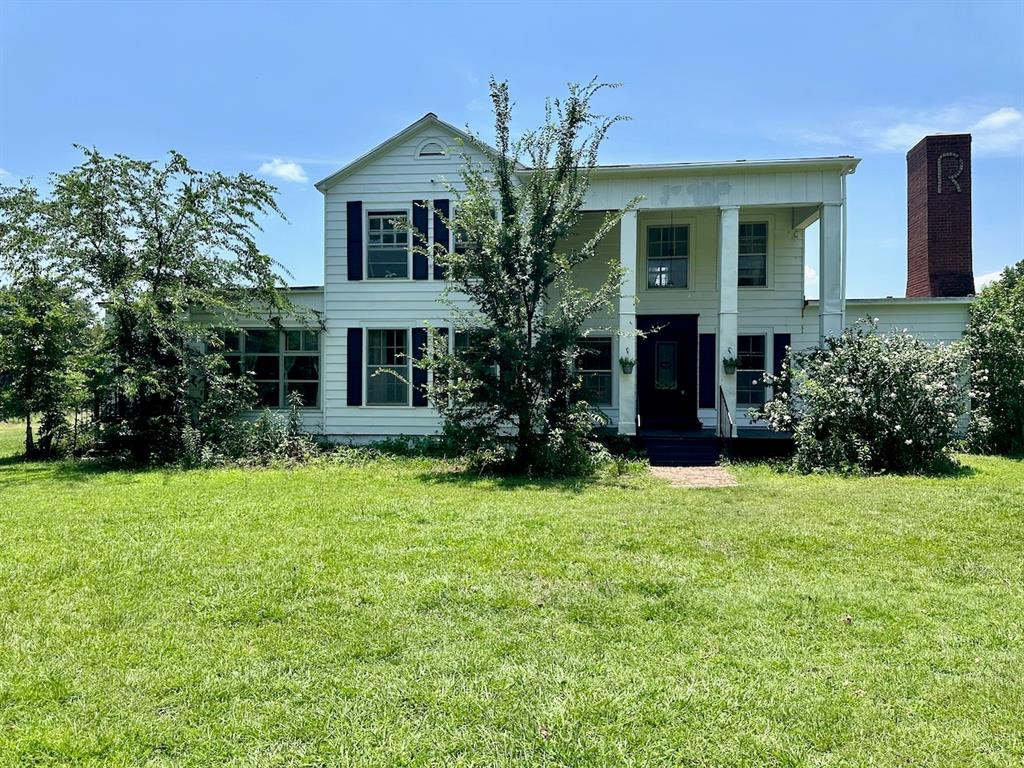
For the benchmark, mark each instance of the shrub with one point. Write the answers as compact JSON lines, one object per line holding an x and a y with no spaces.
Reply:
{"x":870,"y":402}
{"x":995,"y":336}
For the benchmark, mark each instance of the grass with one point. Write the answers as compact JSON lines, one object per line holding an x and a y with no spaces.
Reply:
{"x":393,"y":614}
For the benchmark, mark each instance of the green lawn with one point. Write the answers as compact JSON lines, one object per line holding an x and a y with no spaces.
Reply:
{"x":394,"y":614}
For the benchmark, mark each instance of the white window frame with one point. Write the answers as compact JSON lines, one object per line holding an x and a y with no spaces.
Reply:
{"x":664,"y":220}
{"x":281,"y":354}
{"x":379,"y":210}
{"x":769,"y":264}
{"x":762,"y":371}
{"x":366,"y":366}
{"x":767,"y":251}
{"x":610,"y":370}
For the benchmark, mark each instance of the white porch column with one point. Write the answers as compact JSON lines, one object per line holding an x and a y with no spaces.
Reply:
{"x":627,"y":323}
{"x":830,"y":272}
{"x":728,"y":303}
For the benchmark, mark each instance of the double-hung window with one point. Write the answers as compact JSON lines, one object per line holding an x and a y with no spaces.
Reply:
{"x":750,"y":370}
{"x":279,"y":362}
{"x":753,"y":254}
{"x":387,"y":244}
{"x":594,"y":364}
{"x":668,"y":256}
{"x":387,"y":367}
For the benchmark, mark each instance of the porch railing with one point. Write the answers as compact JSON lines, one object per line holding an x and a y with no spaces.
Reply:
{"x":726,"y":427}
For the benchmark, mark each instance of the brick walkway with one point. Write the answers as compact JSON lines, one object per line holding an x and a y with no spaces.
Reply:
{"x":695,"y":477}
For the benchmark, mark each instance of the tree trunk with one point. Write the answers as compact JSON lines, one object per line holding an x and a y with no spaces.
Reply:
{"x":29,"y":446}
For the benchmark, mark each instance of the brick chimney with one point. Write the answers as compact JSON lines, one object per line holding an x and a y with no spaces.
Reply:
{"x":939,"y":259}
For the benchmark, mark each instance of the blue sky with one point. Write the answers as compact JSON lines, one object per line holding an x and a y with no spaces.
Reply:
{"x":294,"y":91}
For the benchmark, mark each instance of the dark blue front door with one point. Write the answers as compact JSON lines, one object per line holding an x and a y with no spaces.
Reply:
{"x":667,"y":372}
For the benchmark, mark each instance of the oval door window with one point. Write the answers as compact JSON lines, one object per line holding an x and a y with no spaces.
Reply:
{"x":666,"y":365}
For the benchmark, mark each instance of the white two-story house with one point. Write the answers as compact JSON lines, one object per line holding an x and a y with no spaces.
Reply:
{"x":714,"y":257}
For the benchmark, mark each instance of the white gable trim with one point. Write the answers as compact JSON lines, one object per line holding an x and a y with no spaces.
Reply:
{"x":428,"y":120}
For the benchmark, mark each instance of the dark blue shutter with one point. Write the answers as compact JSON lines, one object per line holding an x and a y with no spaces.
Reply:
{"x":779,"y":344}
{"x":355,"y":366}
{"x":419,"y":239}
{"x":440,"y":377}
{"x":441,"y":233}
{"x":419,"y":374}
{"x":706,"y":373}
{"x":354,"y":239}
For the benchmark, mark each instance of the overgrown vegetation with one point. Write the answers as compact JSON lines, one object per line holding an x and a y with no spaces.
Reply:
{"x":871,"y":402}
{"x":511,"y":396}
{"x":157,"y":247}
{"x":996,"y":338}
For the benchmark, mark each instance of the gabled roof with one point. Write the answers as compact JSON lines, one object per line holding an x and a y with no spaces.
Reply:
{"x":429,"y":119}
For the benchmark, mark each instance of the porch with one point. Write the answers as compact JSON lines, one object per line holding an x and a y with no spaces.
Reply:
{"x":691,"y":293}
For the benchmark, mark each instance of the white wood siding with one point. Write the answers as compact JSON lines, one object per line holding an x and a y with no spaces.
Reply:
{"x":391,"y":180}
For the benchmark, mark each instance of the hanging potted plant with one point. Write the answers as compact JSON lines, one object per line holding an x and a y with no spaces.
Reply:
{"x":627,"y":364}
{"x":729,"y":363}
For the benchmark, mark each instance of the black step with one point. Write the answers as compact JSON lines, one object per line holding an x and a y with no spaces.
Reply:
{"x":668,"y":451}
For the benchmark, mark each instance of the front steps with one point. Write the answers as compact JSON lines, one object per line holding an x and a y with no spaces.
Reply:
{"x":685,"y":450}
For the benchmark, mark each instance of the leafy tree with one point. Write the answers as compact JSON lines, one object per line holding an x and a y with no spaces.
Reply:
{"x":870,"y":402}
{"x":526,"y":313}
{"x":44,"y":325}
{"x":159,"y":245}
{"x":995,"y":335}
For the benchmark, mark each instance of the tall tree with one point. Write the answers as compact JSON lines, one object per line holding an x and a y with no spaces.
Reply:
{"x":44,"y":323}
{"x":160,"y":244}
{"x":995,"y":335}
{"x":512,"y":261}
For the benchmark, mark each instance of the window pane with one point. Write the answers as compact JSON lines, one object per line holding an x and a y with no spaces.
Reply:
{"x":751,"y":352}
{"x":595,"y":354}
{"x":597,"y":388}
{"x":293,"y":341}
{"x":383,"y":387}
{"x":310,"y":341}
{"x":665,"y":365}
{"x":750,"y":388}
{"x":309,"y":392}
{"x":388,"y":347}
{"x":264,"y":340}
{"x":304,"y":367}
{"x":234,"y":364}
{"x":753,"y":254}
{"x":269,"y":394}
{"x":232,"y":341}
{"x":667,"y":273}
{"x":263,"y":366}
{"x":387,"y":262}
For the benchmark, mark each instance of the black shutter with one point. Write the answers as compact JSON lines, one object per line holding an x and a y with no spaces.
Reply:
{"x":441,"y":235}
{"x":706,"y":375}
{"x":441,"y":377}
{"x":419,"y":239}
{"x":355,"y":366}
{"x":419,"y":374}
{"x":354,"y":239}
{"x":779,"y":344}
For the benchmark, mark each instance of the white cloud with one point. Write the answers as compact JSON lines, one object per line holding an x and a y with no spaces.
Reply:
{"x":284,"y":170}
{"x":4,"y":173}
{"x":810,"y":281}
{"x":980,"y":281}
{"x":995,"y":131}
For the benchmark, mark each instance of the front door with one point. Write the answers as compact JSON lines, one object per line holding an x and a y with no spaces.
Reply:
{"x":667,"y":372}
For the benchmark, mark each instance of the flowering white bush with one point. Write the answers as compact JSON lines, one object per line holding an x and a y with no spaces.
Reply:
{"x":870,"y":402}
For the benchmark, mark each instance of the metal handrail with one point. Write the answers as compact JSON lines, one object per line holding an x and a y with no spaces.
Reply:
{"x":723,"y":409}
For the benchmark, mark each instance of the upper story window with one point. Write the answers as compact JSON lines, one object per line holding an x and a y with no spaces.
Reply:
{"x":750,"y":370}
{"x":753,"y":257}
{"x":387,"y":244}
{"x":387,"y":367}
{"x":432,"y":149}
{"x":280,"y":362}
{"x":595,"y":366}
{"x":668,"y":256}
